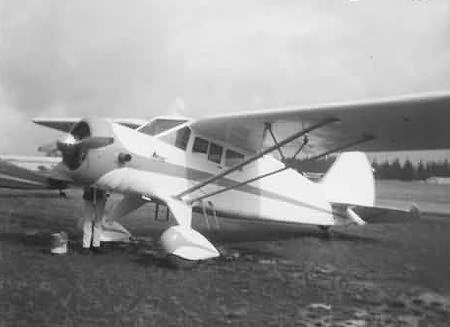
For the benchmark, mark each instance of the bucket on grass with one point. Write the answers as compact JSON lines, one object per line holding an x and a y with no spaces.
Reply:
{"x":59,"y":243}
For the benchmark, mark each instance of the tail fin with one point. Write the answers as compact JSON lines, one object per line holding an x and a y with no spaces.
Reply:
{"x":350,"y":180}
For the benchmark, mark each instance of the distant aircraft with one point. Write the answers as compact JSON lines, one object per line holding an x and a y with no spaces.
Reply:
{"x":221,"y":165}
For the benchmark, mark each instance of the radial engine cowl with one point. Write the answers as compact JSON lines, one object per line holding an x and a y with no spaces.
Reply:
{"x":85,"y":135}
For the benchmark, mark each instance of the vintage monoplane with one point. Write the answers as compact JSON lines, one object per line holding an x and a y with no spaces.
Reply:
{"x":221,"y":164}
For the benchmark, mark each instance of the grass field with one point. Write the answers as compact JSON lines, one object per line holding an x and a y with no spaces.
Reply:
{"x":396,"y":275}
{"x":432,"y":198}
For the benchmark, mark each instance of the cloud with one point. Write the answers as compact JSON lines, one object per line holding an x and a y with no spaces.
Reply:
{"x":83,"y":59}
{"x":137,"y":59}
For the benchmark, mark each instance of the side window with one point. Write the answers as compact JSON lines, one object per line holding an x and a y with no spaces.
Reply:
{"x":215,"y":153}
{"x":200,"y":145}
{"x":182,"y":138}
{"x":233,"y":157}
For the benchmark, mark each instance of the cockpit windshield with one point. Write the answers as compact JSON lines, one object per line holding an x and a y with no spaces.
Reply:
{"x":159,"y":125}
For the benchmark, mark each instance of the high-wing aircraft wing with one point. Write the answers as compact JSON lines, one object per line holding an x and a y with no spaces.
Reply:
{"x":33,"y":163}
{"x":419,"y":122}
{"x":31,"y":173}
{"x":65,"y":124}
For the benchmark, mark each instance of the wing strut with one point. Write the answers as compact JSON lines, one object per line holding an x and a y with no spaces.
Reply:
{"x":364,"y":139}
{"x":268,"y":127}
{"x":257,"y":156}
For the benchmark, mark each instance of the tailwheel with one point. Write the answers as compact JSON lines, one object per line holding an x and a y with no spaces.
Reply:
{"x":327,"y":232}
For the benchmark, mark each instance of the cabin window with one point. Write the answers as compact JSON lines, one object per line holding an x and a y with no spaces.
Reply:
{"x":232,"y":157}
{"x":200,"y":145}
{"x":182,"y":138}
{"x":215,"y":153}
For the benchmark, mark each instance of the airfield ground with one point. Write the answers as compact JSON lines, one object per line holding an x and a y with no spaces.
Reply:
{"x":396,"y":275}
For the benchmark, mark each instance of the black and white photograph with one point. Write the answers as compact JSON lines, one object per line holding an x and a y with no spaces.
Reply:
{"x":225,"y":163}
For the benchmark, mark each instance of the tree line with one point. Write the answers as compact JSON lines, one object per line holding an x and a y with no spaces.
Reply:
{"x":409,"y":171}
{"x":394,"y":169}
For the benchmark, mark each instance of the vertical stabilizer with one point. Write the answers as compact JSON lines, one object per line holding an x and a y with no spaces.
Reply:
{"x":350,"y":180}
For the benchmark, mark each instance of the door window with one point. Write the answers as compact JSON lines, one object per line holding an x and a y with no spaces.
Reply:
{"x":232,"y":158}
{"x":200,"y":145}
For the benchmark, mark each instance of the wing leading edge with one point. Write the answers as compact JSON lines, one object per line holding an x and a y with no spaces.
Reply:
{"x":418,"y":122}
{"x":65,"y":124}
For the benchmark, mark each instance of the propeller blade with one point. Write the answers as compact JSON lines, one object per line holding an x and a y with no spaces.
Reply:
{"x":95,"y":142}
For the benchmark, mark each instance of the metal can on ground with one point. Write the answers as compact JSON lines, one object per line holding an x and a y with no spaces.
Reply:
{"x":59,"y":243}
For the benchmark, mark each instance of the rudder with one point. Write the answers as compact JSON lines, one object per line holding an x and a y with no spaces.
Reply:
{"x":350,"y":180}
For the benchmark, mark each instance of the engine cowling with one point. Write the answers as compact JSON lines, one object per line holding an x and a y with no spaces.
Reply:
{"x":89,"y":150}
{"x":75,"y":145}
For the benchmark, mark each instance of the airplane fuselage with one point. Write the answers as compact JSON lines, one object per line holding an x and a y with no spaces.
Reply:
{"x":158,"y":165}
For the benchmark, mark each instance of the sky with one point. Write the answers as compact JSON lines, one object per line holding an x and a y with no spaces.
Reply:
{"x":145,"y":58}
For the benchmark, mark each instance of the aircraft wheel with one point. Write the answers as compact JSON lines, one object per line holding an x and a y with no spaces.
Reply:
{"x":176,"y":262}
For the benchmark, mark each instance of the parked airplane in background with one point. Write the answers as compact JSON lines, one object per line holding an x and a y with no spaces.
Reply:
{"x":220,"y":164}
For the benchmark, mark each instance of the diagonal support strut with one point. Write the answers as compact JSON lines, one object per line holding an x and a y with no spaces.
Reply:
{"x":257,"y":156}
{"x":268,"y":127}
{"x":365,"y":138}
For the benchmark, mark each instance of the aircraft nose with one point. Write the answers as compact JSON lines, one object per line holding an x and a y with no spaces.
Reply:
{"x":86,"y":135}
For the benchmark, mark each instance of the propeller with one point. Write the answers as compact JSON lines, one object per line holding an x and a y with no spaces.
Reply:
{"x":95,"y":142}
{"x":74,"y":150}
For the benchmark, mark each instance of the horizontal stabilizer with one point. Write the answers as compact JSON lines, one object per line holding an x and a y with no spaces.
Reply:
{"x":347,"y":214}
{"x":378,"y":215}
